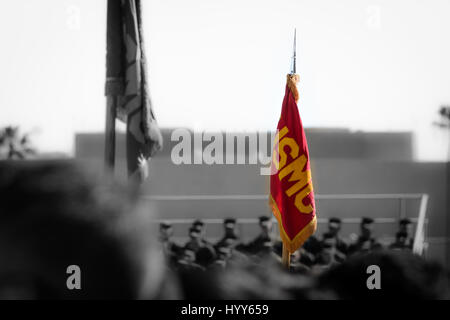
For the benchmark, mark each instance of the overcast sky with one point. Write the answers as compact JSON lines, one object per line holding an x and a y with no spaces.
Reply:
{"x":221,"y":65}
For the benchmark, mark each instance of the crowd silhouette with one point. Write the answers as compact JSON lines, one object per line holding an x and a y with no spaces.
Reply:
{"x":55,"y":214}
{"x":316,"y":255}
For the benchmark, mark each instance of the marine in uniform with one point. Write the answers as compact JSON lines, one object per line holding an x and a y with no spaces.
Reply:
{"x":365,"y":241}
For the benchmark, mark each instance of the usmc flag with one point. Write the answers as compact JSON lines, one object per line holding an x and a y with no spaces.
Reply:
{"x":291,"y":190}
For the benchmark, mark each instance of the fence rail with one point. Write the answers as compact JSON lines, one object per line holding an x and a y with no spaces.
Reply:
{"x":398,"y":196}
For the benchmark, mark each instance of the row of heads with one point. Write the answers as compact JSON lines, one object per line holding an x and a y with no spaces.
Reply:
{"x":199,"y":225}
{"x":265,"y":220}
{"x":367,"y":220}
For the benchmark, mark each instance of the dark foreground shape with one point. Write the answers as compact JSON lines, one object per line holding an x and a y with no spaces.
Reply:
{"x":53,"y":215}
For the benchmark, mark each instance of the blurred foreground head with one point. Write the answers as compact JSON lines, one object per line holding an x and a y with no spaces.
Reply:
{"x":403,"y":275}
{"x":54,"y":215}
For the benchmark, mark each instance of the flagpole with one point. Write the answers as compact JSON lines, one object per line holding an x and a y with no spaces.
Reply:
{"x":286,"y":258}
{"x":110,"y":133}
{"x":114,"y":79}
{"x":294,"y":57}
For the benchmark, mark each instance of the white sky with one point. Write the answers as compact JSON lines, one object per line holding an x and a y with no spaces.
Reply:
{"x":364,"y":65}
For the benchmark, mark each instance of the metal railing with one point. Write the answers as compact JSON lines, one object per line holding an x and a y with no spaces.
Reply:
{"x":419,"y":239}
{"x":421,"y":221}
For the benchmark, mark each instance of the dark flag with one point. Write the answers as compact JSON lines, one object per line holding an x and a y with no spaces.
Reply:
{"x":126,"y":81}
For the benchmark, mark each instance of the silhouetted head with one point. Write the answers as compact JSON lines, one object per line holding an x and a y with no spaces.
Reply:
{"x":165,"y":231}
{"x":401,"y":237}
{"x":405,"y":225}
{"x":402,"y":276}
{"x":194,"y":234}
{"x":229,"y":225}
{"x":188,"y":255}
{"x":199,"y":225}
{"x":334,"y":226}
{"x":54,"y":215}
{"x":223,"y":252}
{"x":329,"y":241}
{"x":266,"y":224}
{"x":366,"y":227}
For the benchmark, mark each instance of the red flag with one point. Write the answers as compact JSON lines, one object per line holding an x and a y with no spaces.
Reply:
{"x":291,"y":191}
